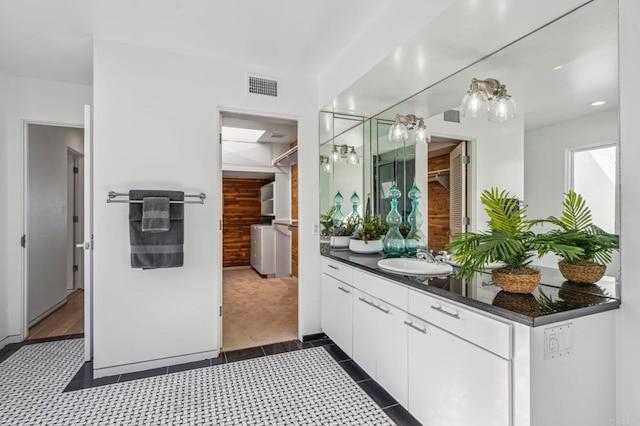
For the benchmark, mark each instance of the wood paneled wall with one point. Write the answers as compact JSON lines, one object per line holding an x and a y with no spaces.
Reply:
{"x":294,"y":215}
{"x":241,"y":209}
{"x":438,"y":217}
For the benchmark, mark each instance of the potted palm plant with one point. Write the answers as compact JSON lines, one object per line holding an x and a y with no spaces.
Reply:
{"x":575,"y":227}
{"x":368,"y":237}
{"x":509,"y":240}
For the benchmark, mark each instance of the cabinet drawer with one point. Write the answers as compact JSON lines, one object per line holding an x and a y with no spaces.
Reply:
{"x":490,"y":334}
{"x":337,"y":270}
{"x":392,"y":293}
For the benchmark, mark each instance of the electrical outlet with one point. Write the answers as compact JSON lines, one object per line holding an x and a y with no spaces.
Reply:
{"x":315,"y":229}
{"x":558,"y":341}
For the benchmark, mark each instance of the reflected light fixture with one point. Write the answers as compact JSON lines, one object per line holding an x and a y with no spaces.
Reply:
{"x":335,"y":155}
{"x":352,"y":158}
{"x":325,"y":164}
{"x":422,"y":135}
{"x":399,"y":130}
{"x":488,"y":97}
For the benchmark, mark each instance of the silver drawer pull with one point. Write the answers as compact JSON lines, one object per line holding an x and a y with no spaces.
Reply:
{"x":439,"y":309}
{"x":415,"y":327}
{"x":344,"y":289}
{"x":333,"y":267}
{"x":380,"y":308}
{"x":362,"y":299}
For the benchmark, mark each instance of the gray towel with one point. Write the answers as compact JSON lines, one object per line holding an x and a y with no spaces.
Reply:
{"x":150,"y":250}
{"x":155,"y":214}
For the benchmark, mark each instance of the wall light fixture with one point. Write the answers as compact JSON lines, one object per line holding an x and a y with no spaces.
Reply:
{"x":488,"y":97}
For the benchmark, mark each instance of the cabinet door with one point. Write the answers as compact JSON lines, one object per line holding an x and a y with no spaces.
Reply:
{"x":337,"y":310}
{"x":366,"y":336}
{"x":391,"y":339}
{"x":453,"y":382}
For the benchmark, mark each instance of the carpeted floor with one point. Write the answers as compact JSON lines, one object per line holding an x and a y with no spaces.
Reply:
{"x":258,"y":311}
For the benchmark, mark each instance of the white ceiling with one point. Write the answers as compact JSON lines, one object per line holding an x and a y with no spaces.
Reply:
{"x":584,"y":43}
{"x":53,"y":39}
{"x":277,"y":130}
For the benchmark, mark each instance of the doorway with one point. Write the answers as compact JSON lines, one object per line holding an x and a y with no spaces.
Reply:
{"x":54,"y":226}
{"x":447,"y":190}
{"x":259,"y":225}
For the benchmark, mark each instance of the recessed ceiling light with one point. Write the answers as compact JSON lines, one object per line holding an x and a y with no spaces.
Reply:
{"x":241,"y":135}
{"x":558,"y":67}
{"x":598,"y":103}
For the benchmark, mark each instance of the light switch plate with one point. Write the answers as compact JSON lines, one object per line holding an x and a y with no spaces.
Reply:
{"x":558,"y":341}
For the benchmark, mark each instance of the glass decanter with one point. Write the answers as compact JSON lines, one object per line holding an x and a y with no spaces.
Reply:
{"x":416,"y":240}
{"x":355,"y":202}
{"x":338,"y":217}
{"x":393,"y":242}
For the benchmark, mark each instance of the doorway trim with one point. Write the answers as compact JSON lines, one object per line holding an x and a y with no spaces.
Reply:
{"x":219,"y":207}
{"x":24,"y":214}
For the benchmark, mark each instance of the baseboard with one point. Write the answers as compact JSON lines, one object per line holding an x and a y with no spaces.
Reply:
{"x":47,"y":312}
{"x":236,"y":268}
{"x":156,"y":363}
{"x":316,"y":336}
{"x":15,"y":338}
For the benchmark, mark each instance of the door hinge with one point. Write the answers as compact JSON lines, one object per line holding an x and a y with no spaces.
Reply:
{"x":75,"y":268}
{"x":76,"y":219}
{"x":220,"y":138}
{"x":23,"y":241}
{"x":75,"y":170}
{"x":466,"y":159}
{"x":466,"y":221}
{"x":221,"y":311}
{"x":221,"y":224}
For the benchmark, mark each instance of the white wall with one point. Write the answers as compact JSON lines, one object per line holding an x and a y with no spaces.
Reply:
{"x":48,"y":216}
{"x":156,"y":126}
{"x":497,"y":157}
{"x":4,"y":201}
{"x":628,"y":344}
{"x":545,"y":153}
{"x":39,"y":101}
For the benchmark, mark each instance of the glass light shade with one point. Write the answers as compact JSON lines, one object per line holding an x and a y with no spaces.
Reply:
{"x":335,"y":155}
{"x":326,"y":167}
{"x":422,"y":135}
{"x":502,"y":109}
{"x":353,"y":157}
{"x":474,"y":104}
{"x":398,"y":133}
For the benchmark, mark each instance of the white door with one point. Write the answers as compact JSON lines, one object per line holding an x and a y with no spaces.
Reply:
{"x":88,"y":234}
{"x":458,"y":189}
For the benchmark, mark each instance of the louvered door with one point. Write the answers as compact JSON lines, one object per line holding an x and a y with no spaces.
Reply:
{"x":458,"y":189}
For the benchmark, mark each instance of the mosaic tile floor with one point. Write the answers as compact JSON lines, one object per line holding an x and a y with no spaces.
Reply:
{"x":306,"y":387}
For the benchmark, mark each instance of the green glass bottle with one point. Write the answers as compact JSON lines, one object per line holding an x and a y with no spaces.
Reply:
{"x":416,"y":239}
{"x":355,"y":202}
{"x":393,"y":242}
{"x":338,"y":217}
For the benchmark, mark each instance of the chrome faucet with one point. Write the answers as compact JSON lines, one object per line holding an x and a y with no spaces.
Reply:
{"x":426,"y":255}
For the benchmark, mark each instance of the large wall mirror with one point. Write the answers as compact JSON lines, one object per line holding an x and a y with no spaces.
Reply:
{"x":564,"y":81}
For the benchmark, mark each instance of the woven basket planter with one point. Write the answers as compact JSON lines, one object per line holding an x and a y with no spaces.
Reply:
{"x":583,"y":274}
{"x":582,"y":294}
{"x":516,"y":283}
{"x":525,"y":304}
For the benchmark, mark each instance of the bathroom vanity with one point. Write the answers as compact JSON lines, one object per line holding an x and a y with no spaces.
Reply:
{"x":455,"y":353}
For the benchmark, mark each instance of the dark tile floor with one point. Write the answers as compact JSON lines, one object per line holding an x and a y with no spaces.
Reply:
{"x":84,"y":377}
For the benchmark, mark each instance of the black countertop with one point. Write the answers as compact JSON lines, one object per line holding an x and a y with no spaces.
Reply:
{"x":554,"y":300}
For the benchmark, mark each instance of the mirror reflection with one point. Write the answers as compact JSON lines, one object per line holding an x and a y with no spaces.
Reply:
{"x":562,"y":83}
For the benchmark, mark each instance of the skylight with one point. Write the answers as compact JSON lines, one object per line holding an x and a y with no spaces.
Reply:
{"x":236,"y":134}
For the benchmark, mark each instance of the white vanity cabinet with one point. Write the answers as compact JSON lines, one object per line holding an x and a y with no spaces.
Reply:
{"x":337,"y":306}
{"x":452,"y":364}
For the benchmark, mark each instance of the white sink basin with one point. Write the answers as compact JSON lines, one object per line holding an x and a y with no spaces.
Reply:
{"x":406,"y":266}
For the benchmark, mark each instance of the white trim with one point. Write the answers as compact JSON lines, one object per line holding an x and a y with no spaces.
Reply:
{"x":156,"y":363}
{"x":24,"y":214}
{"x":219,"y":194}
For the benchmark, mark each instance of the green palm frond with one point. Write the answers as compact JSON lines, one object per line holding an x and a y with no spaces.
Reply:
{"x":575,"y":215}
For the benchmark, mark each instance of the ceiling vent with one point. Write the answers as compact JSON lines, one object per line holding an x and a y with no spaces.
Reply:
{"x":276,"y":135}
{"x":452,"y":116}
{"x":262,"y":86}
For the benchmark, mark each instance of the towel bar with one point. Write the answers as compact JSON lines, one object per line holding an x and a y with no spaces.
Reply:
{"x":113,"y":194}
